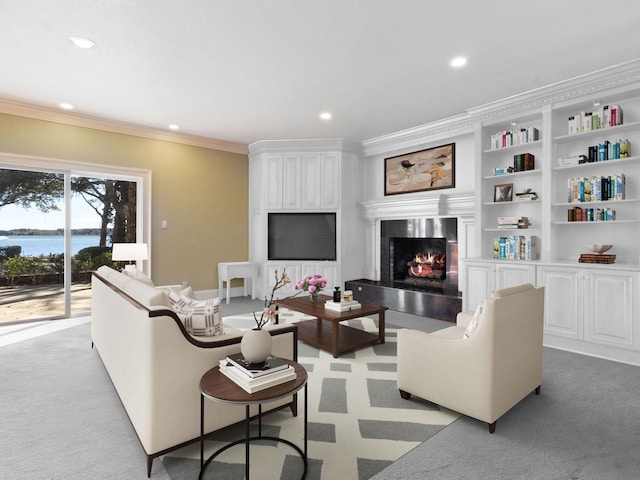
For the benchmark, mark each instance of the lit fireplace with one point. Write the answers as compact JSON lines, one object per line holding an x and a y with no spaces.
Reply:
{"x":419,"y":262}
{"x":427,"y":265}
{"x":420,"y":254}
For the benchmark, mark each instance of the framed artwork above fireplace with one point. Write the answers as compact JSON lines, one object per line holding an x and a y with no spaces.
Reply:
{"x":430,"y":169}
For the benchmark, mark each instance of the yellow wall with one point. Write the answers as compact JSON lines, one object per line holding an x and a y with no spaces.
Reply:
{"x":202,"y":193}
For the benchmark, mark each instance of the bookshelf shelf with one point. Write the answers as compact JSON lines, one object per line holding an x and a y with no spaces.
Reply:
{"x":511,"y":230}
{"x":510,"y":204}
{"x":524,"y":173}
{"x":600,"y":222}
{"x":514,"y":148}
{"x":604,"y":202}
{"x":600,"y":132}
{"x":604,"y":164}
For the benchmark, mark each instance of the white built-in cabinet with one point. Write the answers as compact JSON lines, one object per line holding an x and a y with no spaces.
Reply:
{"x":304,"y":176}
{"x":589,"y":308}
{"x":302,"y":181}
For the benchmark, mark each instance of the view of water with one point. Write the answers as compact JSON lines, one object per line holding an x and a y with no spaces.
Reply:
{"x":34,"y":245}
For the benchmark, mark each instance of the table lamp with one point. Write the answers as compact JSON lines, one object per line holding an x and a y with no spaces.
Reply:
{"x":131,"y":252}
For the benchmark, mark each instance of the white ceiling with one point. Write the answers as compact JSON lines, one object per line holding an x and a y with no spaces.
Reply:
{"x":248,"y":70}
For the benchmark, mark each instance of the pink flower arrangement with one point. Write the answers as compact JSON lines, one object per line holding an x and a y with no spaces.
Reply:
{"x":311,"y":283}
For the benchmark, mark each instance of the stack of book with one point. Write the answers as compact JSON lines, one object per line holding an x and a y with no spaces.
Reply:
{"x":343,"y":306}
{"x":507,"y":222}
{"x":523,"y":162}
{"x":253,"y":377}
{"x":527,"y":195}
{"x":597,"y":258}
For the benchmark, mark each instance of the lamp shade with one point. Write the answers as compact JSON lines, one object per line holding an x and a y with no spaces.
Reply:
{"x":129,"y":252}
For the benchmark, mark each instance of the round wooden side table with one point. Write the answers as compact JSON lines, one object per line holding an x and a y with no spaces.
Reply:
{"x":214,"y":385}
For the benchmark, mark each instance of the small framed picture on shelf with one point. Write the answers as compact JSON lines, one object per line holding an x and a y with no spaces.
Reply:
{"x":503,"y":192}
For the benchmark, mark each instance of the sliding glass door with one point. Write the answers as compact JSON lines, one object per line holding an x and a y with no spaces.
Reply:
{"x":56,"y":228}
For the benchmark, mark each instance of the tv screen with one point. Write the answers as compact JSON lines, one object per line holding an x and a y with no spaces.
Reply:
{"x":302,"y":236}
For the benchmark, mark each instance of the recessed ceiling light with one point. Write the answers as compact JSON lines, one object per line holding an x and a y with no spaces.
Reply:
{"x":82,"y":42}
{"x":325,"y":116}
{"x":173,"y":126}
{"x":458,"y":62}
{"x":66,"y":106}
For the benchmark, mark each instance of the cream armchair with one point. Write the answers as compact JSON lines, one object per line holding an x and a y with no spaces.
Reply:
{"x":486,"y":374}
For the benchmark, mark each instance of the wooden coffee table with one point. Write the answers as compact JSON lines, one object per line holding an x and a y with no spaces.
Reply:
{"x":325,"y":331}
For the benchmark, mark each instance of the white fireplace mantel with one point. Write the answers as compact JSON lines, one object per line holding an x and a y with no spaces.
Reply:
{"x":461,"y":205}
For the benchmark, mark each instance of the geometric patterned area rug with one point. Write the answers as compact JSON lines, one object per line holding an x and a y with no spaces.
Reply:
{"x":357,"y":422}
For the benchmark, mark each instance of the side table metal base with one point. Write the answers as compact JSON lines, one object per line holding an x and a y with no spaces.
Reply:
{"x":248,"y":439}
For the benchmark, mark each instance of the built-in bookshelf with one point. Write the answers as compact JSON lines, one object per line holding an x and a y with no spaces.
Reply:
{"x":512,"y":161}
{"x":595,"y":174}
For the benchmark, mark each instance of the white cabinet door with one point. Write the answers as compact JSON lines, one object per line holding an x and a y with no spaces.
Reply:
{"x":480,"y":282}
{"x":512,"y":275}
{"x":330,"y":181}
{"x":272,"y":184}
{"x":563,"y":300}
{"x":290,"y":181}
{"x":311,"y":191}
{"x":609,"y":307}
{"x":320,"y":181}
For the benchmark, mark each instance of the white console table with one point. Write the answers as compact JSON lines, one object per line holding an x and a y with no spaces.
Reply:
{"x":244,"y":270}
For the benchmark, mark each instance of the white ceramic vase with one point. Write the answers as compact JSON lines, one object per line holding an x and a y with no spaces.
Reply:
{"x":256,"y":345}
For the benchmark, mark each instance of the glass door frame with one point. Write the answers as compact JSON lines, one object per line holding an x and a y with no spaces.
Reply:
{"x":71,"y":168}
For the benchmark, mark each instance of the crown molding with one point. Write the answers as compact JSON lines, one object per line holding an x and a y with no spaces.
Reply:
{"x":322,"y":145}
{"x":49,"y":114}
{"x":618,"y":76}
{"x":622,"y":76}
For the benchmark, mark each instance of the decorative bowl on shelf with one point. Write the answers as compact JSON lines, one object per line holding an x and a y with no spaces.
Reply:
{"x":599,"y":249}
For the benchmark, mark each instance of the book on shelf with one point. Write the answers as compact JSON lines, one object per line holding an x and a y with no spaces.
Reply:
{"x":343,"y":306}
{"x":511,"y":138}
{"x":254,"y":370}
{"x":526,"y":196}
{"x":502,"y":170}
{"x":515,"y":247}
{"x":597,"y":258}
{"x":603,"y":117}
{"x":578,"y":214}
{"x":523,"y":162}
{"x":597,"y":188}
{"x":576,"y":160}
{"x":253,"y":385}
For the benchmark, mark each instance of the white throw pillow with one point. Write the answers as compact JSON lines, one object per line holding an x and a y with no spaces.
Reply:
{"x":201,"y":318}
{"x":473,"y":325}
{"x":178,"y":302}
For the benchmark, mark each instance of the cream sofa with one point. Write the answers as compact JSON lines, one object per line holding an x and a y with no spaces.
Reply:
{"x":486,"y":374}
{"x":156,"y":366}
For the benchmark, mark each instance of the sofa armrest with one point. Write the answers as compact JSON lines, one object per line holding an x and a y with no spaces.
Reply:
{"x":463,"y":319}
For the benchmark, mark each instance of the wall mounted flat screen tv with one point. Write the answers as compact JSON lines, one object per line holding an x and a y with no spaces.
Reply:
{"x":301,"y":236}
